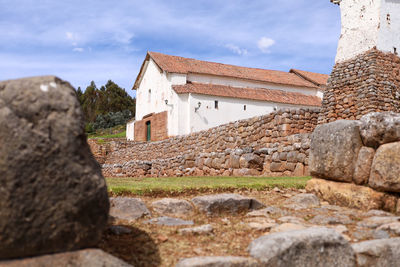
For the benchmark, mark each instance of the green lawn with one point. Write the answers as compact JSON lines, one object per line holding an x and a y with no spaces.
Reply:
{"x":141,"y":186}
{"x":117,"y":135}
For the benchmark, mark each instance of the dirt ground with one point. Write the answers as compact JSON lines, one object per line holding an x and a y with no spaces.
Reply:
{"x":155,"y":245}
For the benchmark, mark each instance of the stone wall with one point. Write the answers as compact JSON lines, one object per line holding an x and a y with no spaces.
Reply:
{"x":368,"y":83}
{"x":273,"y":144}
{"x":361,"y":159}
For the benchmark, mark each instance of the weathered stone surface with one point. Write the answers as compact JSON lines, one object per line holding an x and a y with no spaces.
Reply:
{"x":374,"y":222}
{"x":203,"y":229}
{"x":309,"y":247}
{"x":168,"y":221}
{"x":217,"y":262}
{"x":80,"y":258}
{"x":378,"y":128}
{"x":171,"y":206}
{"x":363,"y":165}
{"x":128,"y":209}
{"x":393,"y":227}
{"x":331,"y":219}
{"x":284,"y":227}
{"x":302,"y":201}
{"x":378,"y":253}
{"x":385,"y":170}
{"x":119,"y":230}
{"x":334,"y":150}
{"x":345,"y":194}
{"x":266,"y":212}
{"x":225,"y":203}
{"x":53,"y":196}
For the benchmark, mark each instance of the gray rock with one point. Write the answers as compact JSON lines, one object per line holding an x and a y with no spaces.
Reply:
{"x":378,"y":213}
{"x":379,"y":128}
{"x":393,"y":227}
{"x":171,"y":206}
{"x":169,"y":221}
{"x":376,"y":221}
{"x":80,"y":258}
{"x":385,"y":170}
{"x":119,"y":230}
{"x":266,"y":212}
{"x":361,"y":234}
{"x":317,"y":246}
{"x":203,"y":229}
{"x":334,"y":150}
{"x":302,"y":201}
{"x":378,"y":253}
{"x":53,"y":196}
{"x":227,"y":261}
{"x":225,"y":203}
{"x":331,"y":219}
{"x":128,"y":209}
{"x":287,"y":227}
{"x":291,"y":219}
{"x":363,"y":165}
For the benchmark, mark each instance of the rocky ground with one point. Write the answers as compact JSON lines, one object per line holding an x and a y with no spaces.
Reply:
{"x":155,"y":231}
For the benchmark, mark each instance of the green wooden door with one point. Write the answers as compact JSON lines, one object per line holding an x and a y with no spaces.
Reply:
{"x":148,"y":126}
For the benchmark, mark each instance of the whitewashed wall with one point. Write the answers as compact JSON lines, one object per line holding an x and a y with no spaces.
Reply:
{"x":229,"y":110}
{"x":130,"y":130}
{"x":367,"y":24}
{"x":234,"y":82}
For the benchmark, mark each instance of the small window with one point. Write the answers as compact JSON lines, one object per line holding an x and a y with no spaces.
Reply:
{"x":395,"y":50}
{"x":244,"y":107}
{"x":216,"y":104}
{"x":149,"y":95}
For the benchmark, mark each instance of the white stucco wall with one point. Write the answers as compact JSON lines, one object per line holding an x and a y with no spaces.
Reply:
{"x":234,"y":82}
{"x":130,"y":130}
{"x":367,"y":24}
{"x":229,"y":110}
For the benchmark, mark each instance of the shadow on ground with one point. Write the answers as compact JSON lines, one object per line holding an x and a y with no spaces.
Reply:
{"x":136,"y":248}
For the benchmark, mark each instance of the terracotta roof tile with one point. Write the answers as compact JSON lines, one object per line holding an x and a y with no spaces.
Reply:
{"x":261,"y":94}
{"x":316,"y":78}
{"x":175,"y":64}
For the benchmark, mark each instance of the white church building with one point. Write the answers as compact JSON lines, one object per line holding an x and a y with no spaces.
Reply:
{"x":178,"y":96}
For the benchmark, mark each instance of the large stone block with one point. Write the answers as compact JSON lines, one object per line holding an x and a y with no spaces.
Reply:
{"x":53,"y":197}
{"x":349,"y":195}
{"x":334,"y":150}
{"x":385,"y":170}
{"x":317,"y":246}
{"x":363,"y":165}
{"x":378,"y":128}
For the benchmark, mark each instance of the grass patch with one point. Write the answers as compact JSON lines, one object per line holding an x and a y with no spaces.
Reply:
{"x":118,"y":131}
{"x":150,"y":186}
{"x":117,"y":135}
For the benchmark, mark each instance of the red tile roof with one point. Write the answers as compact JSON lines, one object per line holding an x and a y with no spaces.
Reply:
{"x":175,"y":64}
{"x":261,"y":94}
{"x":316,"y":78}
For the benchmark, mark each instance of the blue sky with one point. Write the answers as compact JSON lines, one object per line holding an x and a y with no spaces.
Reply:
{"x":84,"y":40}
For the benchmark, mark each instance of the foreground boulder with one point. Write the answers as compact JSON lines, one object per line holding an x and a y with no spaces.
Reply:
{"x":317,"y":246}
{"x":334,"y":150}
{"x":53,"y":197}
{"x":171,"y":206}
{"x":225,"y":203}
{"x":80,"y":258}
{"x":382,"y":252}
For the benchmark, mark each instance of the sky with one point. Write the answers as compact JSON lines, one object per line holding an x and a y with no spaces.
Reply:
{"x":84,"y":40}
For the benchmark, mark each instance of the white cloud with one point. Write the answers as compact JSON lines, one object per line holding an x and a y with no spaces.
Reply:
{"x":265,"y":43}
{"x":78,"y":49}
{"x":236,"y":49}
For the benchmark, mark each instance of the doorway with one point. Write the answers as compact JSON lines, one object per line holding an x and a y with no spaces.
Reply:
{"x":148,"y":131}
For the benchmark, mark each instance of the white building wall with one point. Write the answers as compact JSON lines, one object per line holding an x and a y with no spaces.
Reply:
{"x":130,"y":130}
{"x":367,"y":24}
{"x":234,"y":82}
{"x":229,"y":110}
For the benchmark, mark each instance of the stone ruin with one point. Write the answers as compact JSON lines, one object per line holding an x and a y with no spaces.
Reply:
{"x":357,"y":161}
